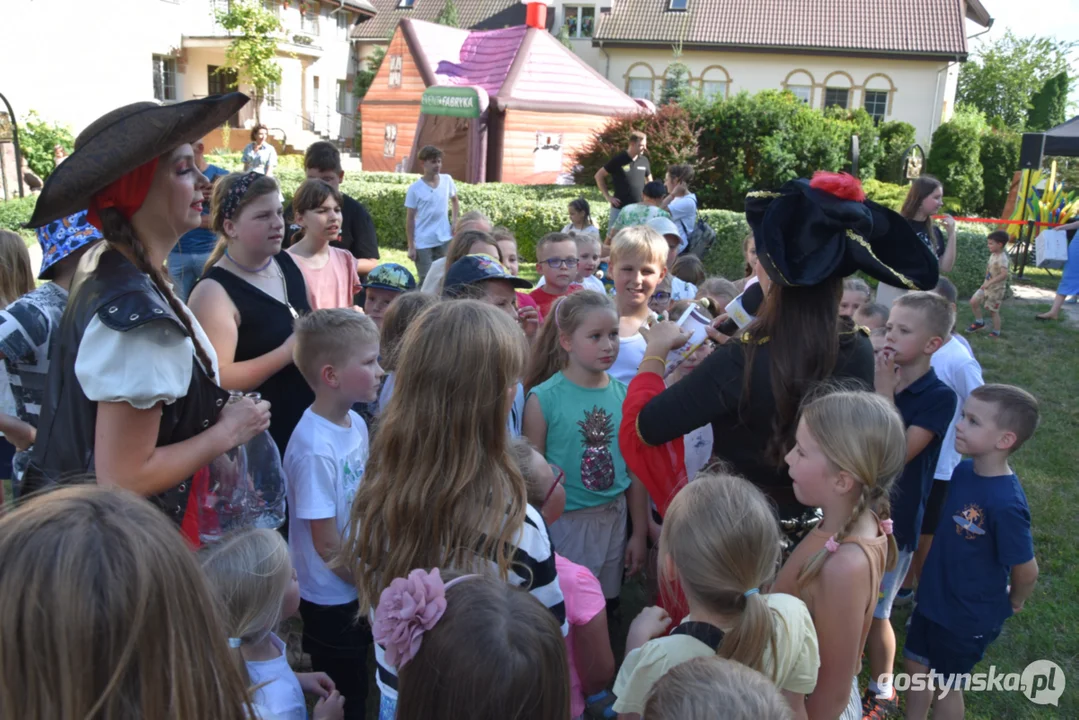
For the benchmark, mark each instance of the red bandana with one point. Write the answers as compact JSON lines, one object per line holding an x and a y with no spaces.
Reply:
{"x":126,"y":194}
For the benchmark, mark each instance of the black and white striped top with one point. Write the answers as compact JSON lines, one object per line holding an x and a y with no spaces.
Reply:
{"x":533,"y":568}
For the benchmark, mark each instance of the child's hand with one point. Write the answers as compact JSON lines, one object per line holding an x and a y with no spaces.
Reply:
{"x":528,"y":318}
{"x":329,"y":708}
{"x":886,"y":375}
{"x":654,"y":529}
{"x":412,"y":254}
{"x":949,"y":223}
{"x":663,"y":337}
{"x":649,"y":625}
{"x":316,"y":683}
{"x":636,"y":552}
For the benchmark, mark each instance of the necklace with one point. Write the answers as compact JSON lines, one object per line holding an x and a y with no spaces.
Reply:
{"x":253,"y":271}
{"x":284,"y":292}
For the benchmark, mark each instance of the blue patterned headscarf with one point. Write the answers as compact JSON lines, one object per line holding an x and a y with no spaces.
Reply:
{"x":62,"y":237}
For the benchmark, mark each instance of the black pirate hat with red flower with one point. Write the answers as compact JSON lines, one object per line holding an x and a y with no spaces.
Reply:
{"x":812,"y":230}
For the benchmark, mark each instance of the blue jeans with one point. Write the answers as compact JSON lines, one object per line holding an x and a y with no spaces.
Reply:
{"x":185,"y":270}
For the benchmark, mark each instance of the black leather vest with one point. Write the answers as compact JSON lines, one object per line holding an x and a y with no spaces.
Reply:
{"x":122,"y":298}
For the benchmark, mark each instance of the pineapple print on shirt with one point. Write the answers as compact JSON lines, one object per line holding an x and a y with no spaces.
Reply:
{"x":597,"y":465}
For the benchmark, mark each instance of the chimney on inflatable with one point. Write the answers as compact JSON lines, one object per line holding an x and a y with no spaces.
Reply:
{"x":536,"y":14}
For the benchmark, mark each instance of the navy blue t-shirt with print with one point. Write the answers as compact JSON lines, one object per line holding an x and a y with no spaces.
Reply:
{"x":927,"y":403}
{"x":984,"y":531}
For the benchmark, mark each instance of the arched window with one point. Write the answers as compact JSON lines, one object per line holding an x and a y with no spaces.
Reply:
{"x":640,"y":81}
{"x":877,"y":96}
{"x":838,"y":88}
{"x":800,"y":83}
{"x":715,"y":83}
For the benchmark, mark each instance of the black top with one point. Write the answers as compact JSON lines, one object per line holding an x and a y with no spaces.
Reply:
{"x":712,"y":393}
{"x":629,"y":176}
{"x":265,"y":323}
{"x":357,"y":230}
{"x":937,"y":243}
{"x":122,"y":298}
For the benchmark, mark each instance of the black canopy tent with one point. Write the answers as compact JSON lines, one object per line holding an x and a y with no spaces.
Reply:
{"x":1060,"y":141}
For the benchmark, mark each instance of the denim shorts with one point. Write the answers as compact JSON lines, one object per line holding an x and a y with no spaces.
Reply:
{"x":941,"y":650}
{"x":890,"y":584}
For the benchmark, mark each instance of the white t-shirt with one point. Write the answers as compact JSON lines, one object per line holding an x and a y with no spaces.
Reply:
{"x":697,"y":449}
{"x":630,"y":354}
{"x":681,"y":290}
{"x":432,"y":205}
{"x":957,"y":369}
{"x":280,"y":696}
{"x":324,"y":465}
{"x":589,"y":229}
{"x":683,"y":212}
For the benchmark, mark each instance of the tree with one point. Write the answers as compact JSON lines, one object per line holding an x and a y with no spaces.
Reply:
{"x":1002,"y":76}
{"x":676,"y":84}
{"x":38,"y":139}
{"x":955,"y":158}
{"x":253,"y":50}
{"x":366,"y":76}
{"x":1049,"y":106}
{"x":448,"y":15}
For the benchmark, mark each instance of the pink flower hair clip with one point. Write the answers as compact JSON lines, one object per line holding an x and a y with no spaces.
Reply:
{"x":831,"y":545}
{"x":886,"y":526}
{"x":407,"y":609}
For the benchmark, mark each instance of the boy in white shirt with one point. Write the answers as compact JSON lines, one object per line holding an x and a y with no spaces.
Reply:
{"x":337,"y":352}
{"x":427,"y":226}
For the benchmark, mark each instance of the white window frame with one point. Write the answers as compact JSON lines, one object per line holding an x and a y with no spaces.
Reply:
{"x":164,"y":70}
{"x":651,"y":88}
{"x":343,"y":29}
{"x":580,"y":16}
{"x":406,"y":4}
{"x":397,"y":63}
{"x":884,"y":105}
{"x":802,"y":92}
{"x":309,"y":21}
{"x":389,"y":142}
{"x":344,"y":95}
{"x":720,"y":91}
{"x":826,"y":104}
{"x":272,"y":97}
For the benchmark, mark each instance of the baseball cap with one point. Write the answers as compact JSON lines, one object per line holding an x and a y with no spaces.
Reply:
{"x":664,"y":226}
{"x":472,"y":269}
{"x":390,"y":276}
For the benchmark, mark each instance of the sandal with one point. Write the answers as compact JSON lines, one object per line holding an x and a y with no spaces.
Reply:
{"x":975,"y":326}
{"x":1043,"y":318}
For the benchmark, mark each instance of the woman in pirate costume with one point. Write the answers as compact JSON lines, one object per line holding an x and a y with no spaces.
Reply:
{"x":132,"y":393}
{"x":809,"y":236}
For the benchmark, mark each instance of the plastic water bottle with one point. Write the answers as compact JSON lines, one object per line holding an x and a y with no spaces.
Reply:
{"x":224,"y":507}
{"x":266,"y":477}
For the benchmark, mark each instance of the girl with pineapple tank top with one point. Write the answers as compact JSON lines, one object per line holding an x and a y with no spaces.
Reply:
{"x":572,"y":417}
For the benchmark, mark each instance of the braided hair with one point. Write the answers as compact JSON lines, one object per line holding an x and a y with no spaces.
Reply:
{"x":862,"y":434}
{"x":118,"y":230}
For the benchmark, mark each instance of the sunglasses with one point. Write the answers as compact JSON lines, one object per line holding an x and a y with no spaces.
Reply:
{"x":568,"y":263}
{"x":559,"y":479}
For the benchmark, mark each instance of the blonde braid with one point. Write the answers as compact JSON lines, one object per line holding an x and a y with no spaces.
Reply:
{"x":812,"y":568}
{"x":118,"y":230}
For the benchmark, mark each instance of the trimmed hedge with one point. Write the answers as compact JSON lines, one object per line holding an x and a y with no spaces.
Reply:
{"x":532,"y":211}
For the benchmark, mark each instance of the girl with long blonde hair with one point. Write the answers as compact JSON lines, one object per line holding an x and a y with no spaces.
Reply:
{"x":849,"y":448}
{"x":104,"y":613}
{"x":440,"y":487}
{"x":16,"y":275}
{"x":256,"y":586}
{"x":720,"y":545}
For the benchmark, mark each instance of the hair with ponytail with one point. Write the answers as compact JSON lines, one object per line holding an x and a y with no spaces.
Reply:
{"x":862,"y":434}
{"x":565,"y":316}
{"x":249,"y":572}
{"x":261,"y":187}
{"x":118,"y":230}
{"x":722,"y":538}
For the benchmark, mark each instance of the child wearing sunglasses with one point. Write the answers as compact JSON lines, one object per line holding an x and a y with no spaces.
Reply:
{"x":557,"y":261}
{"x":588,"y":645}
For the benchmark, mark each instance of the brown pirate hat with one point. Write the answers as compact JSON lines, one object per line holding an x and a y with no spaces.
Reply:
{"x":122,"y":140}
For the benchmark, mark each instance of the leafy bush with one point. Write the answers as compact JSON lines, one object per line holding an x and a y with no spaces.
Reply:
{"x":1000,"y":159}
{"x":955,"y":159}
{"x":886,"y":194}
{"x":13,"y":213}
{"x":895,"y":137}
{"x":37,"y":140}
{"x":672,"y":139}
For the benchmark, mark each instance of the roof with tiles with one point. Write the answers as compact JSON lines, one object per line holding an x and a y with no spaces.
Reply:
{"x":879,"y":27}
{"x":474,"y":14}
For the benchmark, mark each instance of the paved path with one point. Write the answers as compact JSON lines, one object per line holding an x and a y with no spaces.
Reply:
{"x":1031,"y":295}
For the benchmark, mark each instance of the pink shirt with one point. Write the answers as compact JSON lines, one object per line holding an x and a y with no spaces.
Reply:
{"x":332,"y":285}
{"x":584,"y":601}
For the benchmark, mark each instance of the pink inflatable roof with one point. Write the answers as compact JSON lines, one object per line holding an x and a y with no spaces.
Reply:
{"x":519,"y":67}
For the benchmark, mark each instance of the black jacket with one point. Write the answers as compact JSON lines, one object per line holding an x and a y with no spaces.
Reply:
{"x":123,"y":298}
